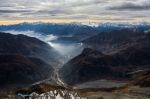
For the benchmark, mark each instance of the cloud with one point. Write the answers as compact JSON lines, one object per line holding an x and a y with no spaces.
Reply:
{"x":68,"y":50}
{"x":73,"y":9}
{"x":13,"y":11}
{"x":45,"y":38}
{"x":131,"y":6}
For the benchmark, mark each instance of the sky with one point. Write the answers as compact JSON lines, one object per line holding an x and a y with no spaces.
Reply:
{"x":16,"y":11}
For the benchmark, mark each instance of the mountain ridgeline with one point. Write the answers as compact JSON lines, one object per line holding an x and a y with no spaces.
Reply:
{"x":110,"y":56}
{"x":108,"y":42}
{"x":89,"y":66}
{"x":111,"y":52}
{"x":24,"y":60}
{"x":27,"y":46}
{"x":73,"y":31}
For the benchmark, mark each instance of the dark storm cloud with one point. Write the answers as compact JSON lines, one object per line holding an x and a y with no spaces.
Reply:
{"x":13,"y":11}
{"x":55,"y":11}
{"x":131,"y":6}
{"x":88,"y":3}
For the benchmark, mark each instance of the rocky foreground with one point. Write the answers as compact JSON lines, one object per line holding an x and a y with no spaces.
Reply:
{"x":46,"y":91}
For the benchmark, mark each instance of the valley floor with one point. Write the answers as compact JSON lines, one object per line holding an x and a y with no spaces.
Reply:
{"x":128,"y":93}
{"x":101,"y":84}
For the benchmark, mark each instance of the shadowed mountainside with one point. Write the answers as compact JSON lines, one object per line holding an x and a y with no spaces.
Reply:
{"x":17,"y":70}
{"x":27,"y":46}
{"x":112,"y":41}
{"x":93,"y":65}
{"x":21,"y":60}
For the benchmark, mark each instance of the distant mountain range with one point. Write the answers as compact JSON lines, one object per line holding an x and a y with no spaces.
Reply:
{"x":76,"y":31}
{"x":72,"y":30}
{"x":117,"y":39}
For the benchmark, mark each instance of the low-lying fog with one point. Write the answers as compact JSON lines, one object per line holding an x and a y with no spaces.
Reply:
{"x":68,"y":49}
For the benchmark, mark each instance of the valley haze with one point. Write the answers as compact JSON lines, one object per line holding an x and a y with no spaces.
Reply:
{"x":74,"y":49}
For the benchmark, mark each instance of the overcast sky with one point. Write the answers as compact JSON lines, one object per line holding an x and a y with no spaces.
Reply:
{"x":93,"y":10}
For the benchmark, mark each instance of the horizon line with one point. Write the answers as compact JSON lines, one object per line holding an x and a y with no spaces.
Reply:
{"x":11,"y":22}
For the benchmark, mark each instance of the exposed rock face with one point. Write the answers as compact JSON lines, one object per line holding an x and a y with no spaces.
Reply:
{"x":142,"y":78}
{"x":93,"y":65}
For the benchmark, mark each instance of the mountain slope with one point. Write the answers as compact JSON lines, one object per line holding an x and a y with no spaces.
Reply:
{"x":87,"y":67}
{"x":141,"y":78}
{"x":108,"y":42}
{"x":24,"y":60}
{"x":27,"y":46}
{"x":18,"y":70}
